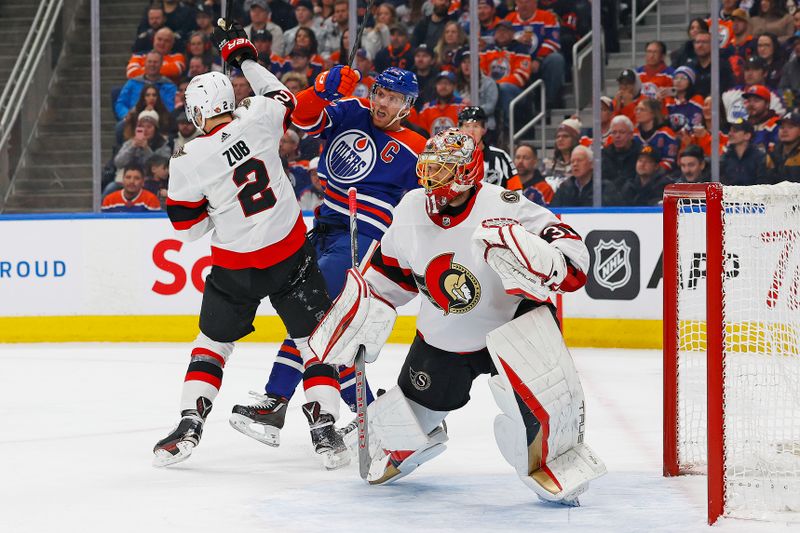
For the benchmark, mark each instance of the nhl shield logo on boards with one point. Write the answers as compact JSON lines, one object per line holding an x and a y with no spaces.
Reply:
{"x":351,"y":157}
{"x":614,"y":272}
{"x":612,"y":265}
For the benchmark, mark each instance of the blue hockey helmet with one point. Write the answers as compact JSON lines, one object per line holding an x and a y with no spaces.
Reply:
{"x":398,"y":80}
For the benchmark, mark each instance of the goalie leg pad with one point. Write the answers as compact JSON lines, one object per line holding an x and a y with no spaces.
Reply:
{"x":401,"y":424}
{"x":357,"y":317}
{"x":540,"y":432}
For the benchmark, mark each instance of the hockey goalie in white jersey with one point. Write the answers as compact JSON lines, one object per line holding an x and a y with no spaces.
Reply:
{"x":230,"y":181}
{"x":485,"y":260}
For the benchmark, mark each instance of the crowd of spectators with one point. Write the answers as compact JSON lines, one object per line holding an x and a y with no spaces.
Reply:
{"x":655,"y":128}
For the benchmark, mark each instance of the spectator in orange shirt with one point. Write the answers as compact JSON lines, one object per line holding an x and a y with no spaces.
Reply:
{"x":173,"y":64}
{"x":442,"y":112}
{"x":132,"y":198}
{"x":539,"y":29}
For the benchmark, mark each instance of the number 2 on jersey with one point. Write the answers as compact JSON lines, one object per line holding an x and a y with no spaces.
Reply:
{"x":255,"y":196}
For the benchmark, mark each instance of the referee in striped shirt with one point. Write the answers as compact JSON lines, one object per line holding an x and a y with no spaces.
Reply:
{"x":499,"y":169}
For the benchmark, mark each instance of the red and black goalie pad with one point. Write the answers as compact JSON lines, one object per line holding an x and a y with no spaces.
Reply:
{"x":391,"y":269}
{"x":184,"y":215}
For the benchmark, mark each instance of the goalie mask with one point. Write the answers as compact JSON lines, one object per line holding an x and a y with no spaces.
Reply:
{"x":206,"y":96}
{"x":449,"y":165}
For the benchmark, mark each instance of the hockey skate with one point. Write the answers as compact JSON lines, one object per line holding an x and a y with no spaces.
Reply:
{"x":262,"y":420}
{"x":178,"y":445}
{"x":326,"y":440}
{"x":401,"y":463}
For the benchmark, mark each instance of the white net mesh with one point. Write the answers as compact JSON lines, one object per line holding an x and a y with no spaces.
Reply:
{"x":761,"y":352}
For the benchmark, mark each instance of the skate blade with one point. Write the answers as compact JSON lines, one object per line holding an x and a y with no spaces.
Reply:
{"x":269,"y":435}
{"x":164,"y":458}
{"x":333,"y":460}
{"x":564,"y":502}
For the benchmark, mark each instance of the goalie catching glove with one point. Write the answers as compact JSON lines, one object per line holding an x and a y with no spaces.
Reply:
{"x":233,"y":44}
{"x":357,"y":317}
{"x":527,"y":264}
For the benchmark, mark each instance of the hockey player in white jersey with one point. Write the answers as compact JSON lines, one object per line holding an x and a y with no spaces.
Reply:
{"x":230,"y":182}
{"x":485,"y":260}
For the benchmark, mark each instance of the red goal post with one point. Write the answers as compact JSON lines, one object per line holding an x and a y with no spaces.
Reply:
{"x":731,"y":351}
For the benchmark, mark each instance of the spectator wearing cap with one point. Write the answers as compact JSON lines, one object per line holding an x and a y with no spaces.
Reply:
{"x":180,"y":17}
{"x":173,"y":64}
{"x":153,"y":20}
{"x":557,"y":168}
{"x":742,"y":43}
{"x":367,"y":69}
{"x":130,"y":196}
{"x":653,"y":130}
{"x":692,"y":163}
{"x":742,"y":163}
{"x":508,"y":63}
{"x":261,"y":19}
{"x":629,"y":93}
{"x":262,"y":40}
{"x":620,"y":153}
{"x":429,"y":29}
{"x":684,"y":107}
{"x":534,"y":187}
{"x":300,"y":62}
{"x":452,"y":40}
{"x":655,"y":75}
{"x":333,"y":28}
{"x":487,"y":89}
{"x":204,"y":20}
{"x":488,"y":19}
{"x":789,"y":85}
{"x":130,"y":92}
{"x":647,"y":185}
{"x":783,"y":163}
{"x":145,"y":143}
{"x":700,"y":134}
{"x":538,"y":30}
{"x":578,"y":189}
{"x":186,"y":132}
{"x":701,"y":64}
{"x":769,"y":49}
{"x":773,"y":17}
{"x":304,"y":12}
{"x":377,"y":37}
{"x":425,"y":70}
{"x":149,"y":98}
{"x":398,"y":53}
{"x":764,"y":120}
{"x":755,"y":71}
{"x":442,"y":112}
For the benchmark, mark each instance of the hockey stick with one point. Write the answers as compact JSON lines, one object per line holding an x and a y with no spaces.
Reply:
{"x":354,"y":45}
{"x":226,"y":12}
{"x":361,"y":386}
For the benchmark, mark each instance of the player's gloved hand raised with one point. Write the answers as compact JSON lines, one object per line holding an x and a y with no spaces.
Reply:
{"x":231,"y":39}
{"x":338,"y":82}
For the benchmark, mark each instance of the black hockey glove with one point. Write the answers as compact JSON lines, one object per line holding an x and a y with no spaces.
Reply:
{"x":231,"y":39}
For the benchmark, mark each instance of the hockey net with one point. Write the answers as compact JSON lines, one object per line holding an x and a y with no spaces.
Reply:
{"x":732,"y":345}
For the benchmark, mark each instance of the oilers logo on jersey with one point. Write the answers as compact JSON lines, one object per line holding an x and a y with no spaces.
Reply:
{"x":351,"y":156}
{"x":499,"y":68}
{"x":448,"y":285}
{"x":441,"y":124}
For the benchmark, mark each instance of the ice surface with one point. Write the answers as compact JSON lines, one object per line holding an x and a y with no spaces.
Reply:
{"x":78,"y":422}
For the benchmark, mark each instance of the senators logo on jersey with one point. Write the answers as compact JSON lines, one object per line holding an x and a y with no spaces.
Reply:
{"x":448,"y":285}
{"x":351,"y":156}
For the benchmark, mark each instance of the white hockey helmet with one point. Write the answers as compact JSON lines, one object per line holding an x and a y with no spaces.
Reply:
{"x":208,"y":95}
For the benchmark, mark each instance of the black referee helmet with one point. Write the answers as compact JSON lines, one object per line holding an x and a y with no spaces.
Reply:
{"x":472,"y":114}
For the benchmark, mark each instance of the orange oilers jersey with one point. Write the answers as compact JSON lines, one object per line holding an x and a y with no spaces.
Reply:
{"x":173,"y":67}
{"x":511,"y":64}
{"x":436,"y":117}
{"x":543,"y":26}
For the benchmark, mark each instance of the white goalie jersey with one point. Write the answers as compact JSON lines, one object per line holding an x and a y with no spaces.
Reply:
{"x":463,"y":298}
{"x":231,"y":181}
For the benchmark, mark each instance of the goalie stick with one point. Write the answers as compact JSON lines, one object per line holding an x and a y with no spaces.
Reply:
{"x":354,"y":45}
{"x":361,"y":389}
